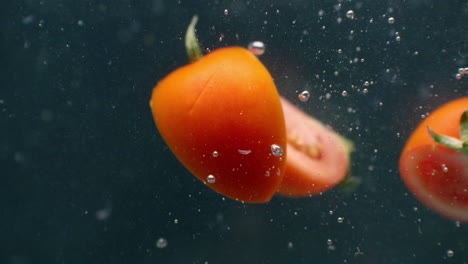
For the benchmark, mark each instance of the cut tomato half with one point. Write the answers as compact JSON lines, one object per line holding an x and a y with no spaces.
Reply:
{"x":438,"y":177}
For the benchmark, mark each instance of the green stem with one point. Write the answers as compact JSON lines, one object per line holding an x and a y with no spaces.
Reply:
{"x":191,"y":43}
{"x":451,"y":142}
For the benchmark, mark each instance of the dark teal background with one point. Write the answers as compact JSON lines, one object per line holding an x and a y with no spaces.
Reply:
{"x":77,"y":136}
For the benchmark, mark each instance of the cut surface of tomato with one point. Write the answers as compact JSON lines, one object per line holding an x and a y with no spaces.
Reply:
{"x":439,"y":178}
{"x":318,"y":158}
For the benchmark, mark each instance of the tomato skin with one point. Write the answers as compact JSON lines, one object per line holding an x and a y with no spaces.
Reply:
{"x":435,"y":174}
{"x":318,"y":158}
{"x":225,"y":102}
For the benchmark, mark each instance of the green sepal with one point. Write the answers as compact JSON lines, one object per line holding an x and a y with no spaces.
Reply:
{"x":350,"y":183}
{"x":191,"y":43}
{"x":464,"y":127}
{"x":451,"y":142}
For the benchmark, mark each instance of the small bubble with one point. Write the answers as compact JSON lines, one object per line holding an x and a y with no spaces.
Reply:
{"x":458,"y":76}
{"x":176,"y":221}
{"x":340,"y":51}
{"x":365,"y":90}
{"x":267,"y":173}
{"x":344,"y":93}
{"x":398,"y":38}
{"x":276,"y":150}
{"x":340,"y":220}
{"x":161,"y":243}
{"x":350,"y":14}
{"x":450,"y":253}
{"x":391,"y":20}
{"x":329,"y":242}
{"x":226,"y":11}
{"x":330,"y":212}
{"x":444,"y":168}
{"x":304,"y":96}
{"x":366,"y":83}
{"x":211,"y":179}
{"x":215,"y":154}
{"x":256,"y":47}
{"x":80,"y":23}
{"x":244,"y":151}
{"x":328,"y":96}
{"x":290,"y":245}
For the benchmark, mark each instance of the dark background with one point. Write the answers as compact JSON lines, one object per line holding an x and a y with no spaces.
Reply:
{"x":86,"y":178}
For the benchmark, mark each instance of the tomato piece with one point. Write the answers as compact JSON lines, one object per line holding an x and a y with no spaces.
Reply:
{"x":318,"y":158}
{"x":225,"y":102}
{"x":436,"y":174}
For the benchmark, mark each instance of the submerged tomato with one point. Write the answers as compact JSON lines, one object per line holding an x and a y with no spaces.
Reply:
{"x":221,"y":116}
{"x":437,"y":174}
{"x":318,"y":158}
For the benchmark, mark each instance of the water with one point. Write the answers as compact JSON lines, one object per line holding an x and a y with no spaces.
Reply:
{"x":86,"y":177}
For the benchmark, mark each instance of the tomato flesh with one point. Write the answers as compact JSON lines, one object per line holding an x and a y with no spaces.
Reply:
{"x":317,"y":157}
{"x":439,"y":178}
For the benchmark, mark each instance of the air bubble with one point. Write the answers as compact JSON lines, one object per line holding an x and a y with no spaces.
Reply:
{"x":350,"y":14}
{"x":450,"y":253}
{"x":161,"y":243}
{"x":344,"y":93}
{"x":257,"y":48}
{"x":444,"y":168}
{"x":304,"y":96}
{"x":277,"y":150}
{"x":211,"y":179}
{"x":226,"y":11}
{"x":391,"y":20}
{"x":340,"y":220}
{"x":215,"y":154}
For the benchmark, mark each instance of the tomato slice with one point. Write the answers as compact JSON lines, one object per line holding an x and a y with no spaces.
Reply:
{"x":438,"y":177}
{"x":318,"y":158}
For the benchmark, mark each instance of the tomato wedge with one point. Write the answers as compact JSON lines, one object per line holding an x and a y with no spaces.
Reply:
{"x":318,"y":158}
{"x":436,"y":173}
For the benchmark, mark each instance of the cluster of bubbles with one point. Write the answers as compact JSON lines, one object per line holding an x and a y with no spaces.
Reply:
{"x":461,"y":72}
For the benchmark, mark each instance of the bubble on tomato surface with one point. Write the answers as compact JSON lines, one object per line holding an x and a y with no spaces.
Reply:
{"x":161,"y":243}
{"x":215,"y":154}
{"x":344,"y":93}
{"x":276,"y":150}
{"x":211,"y":178}
{"x":398,"y":38}
{"x":350,"y":14}
{"x":391,"y":20}
{"x":267,"y":173}
{"x":304,"y":96}
{"x":450,"y":253}
{"x":244,"y":151}
{"x":340,"y":220}
{"x":444,"y":168}
{"x":256,"y":47}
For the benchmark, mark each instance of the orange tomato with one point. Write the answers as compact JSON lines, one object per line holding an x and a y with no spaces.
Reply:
{"x":438,"y":175}
{"x":220,"y":116}
{"x":318,"y":158}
